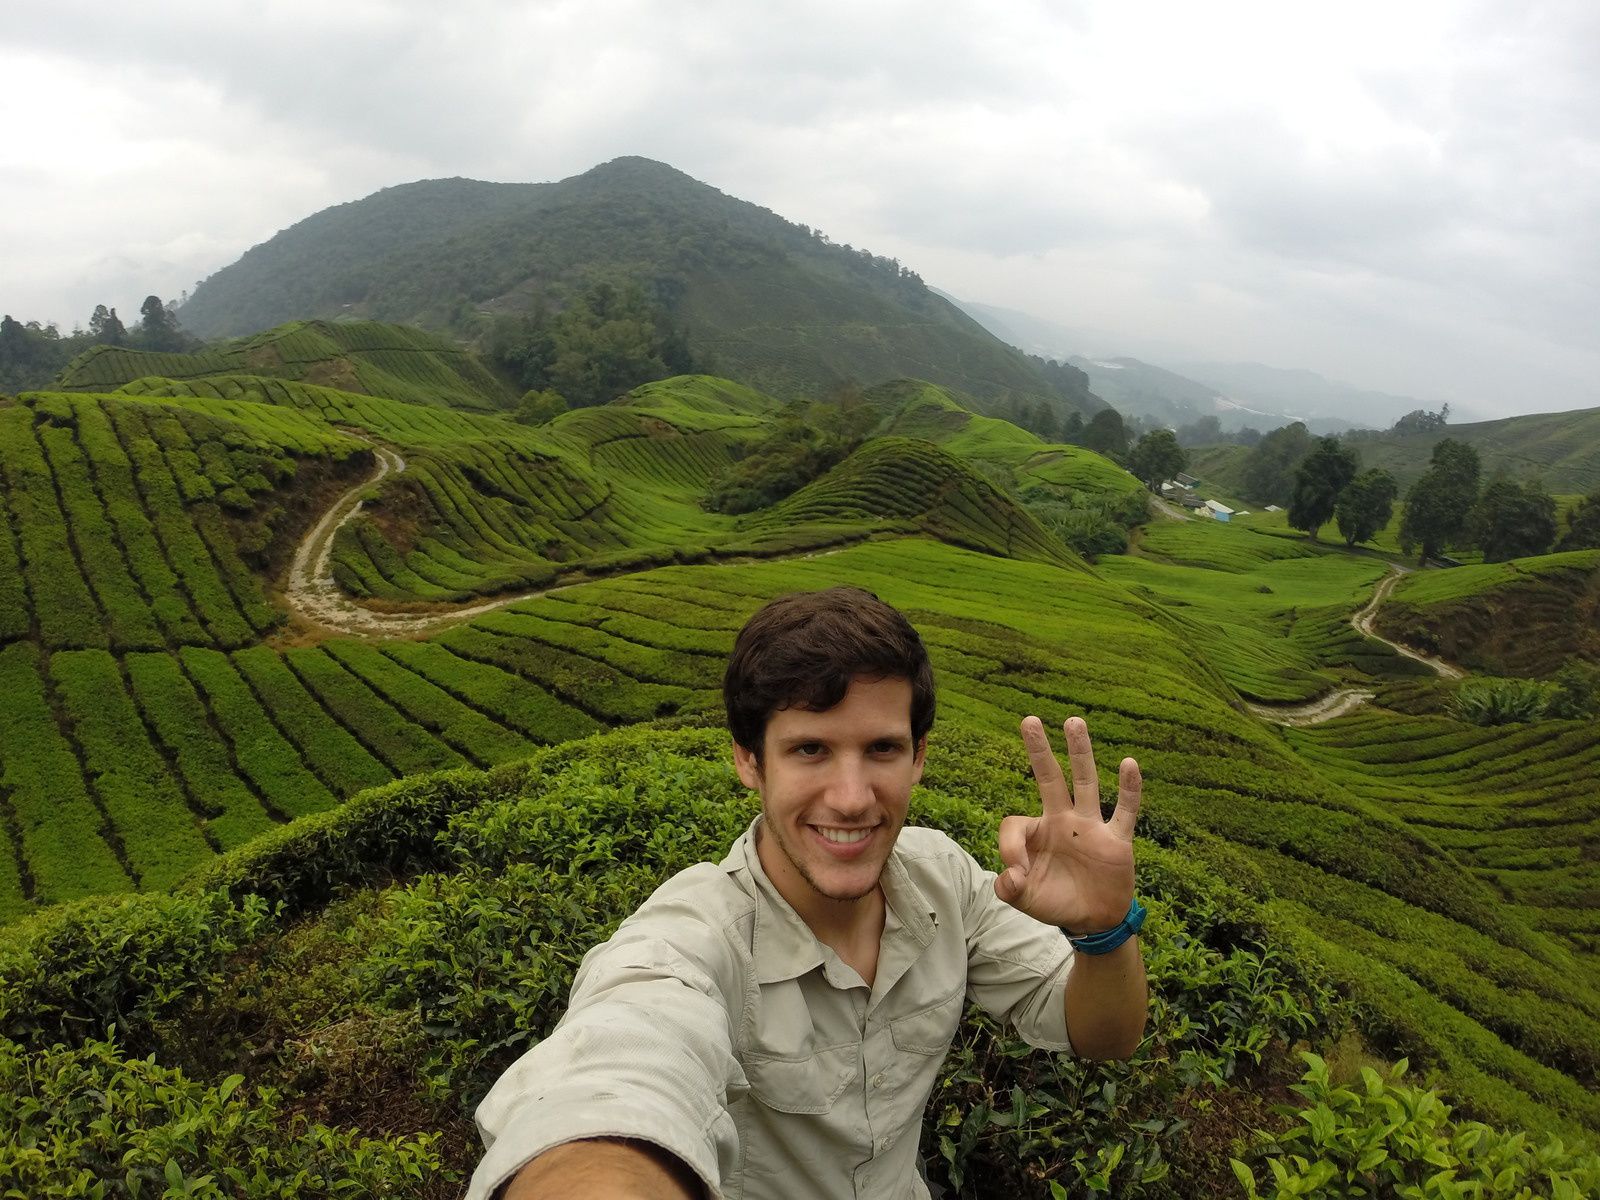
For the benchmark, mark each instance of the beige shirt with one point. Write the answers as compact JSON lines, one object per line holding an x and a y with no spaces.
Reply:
{"x":714,"y":1024}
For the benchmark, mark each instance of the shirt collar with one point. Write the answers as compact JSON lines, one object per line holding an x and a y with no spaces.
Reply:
{"x":783,"y":946}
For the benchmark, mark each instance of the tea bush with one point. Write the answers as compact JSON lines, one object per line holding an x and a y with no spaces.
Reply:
{"x":87,"y":1122}
{"x":1386,"y":1138}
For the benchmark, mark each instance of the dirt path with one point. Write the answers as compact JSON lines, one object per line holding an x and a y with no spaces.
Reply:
{"x":1343,"y":700}
{"x":317,"y":600}
{"x":1168,"y":509}
{"x":1363,"y":621}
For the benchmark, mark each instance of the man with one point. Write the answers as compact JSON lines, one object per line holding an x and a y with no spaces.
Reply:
{"x":773,"y":1025}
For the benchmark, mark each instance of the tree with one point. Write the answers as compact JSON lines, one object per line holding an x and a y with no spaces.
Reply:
{"x":1269,"y":468}
{"x":1105,"y":434}
{"x":105,"y":326}
{"x":1583,"y":525}
{"x":1420,"y":420}
{"x":1318,"y":480}
{"x":1366,"y":505}
{"x":158,"y":328}
{"x":1512,"y":520}
{"x":1157,"y":458}
{"x":536,"y":407}
{"x":1072,"y":427}
{"x":1438,"y":503}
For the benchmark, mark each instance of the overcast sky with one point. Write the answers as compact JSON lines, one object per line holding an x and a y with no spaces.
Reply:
{"x":1404,"y":196}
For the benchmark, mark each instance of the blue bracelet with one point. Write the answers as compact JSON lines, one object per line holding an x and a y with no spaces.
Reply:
{"x":1108,"y":940}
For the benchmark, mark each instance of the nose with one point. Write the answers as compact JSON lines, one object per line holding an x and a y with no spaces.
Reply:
{"x":852,"y":794}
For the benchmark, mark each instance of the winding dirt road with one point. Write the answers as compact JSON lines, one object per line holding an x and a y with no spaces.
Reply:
{"x":314,"y":597}
{"x":1342,"y":700}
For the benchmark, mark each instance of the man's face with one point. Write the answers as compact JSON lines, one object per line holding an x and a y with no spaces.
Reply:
{"x":834,"y":788}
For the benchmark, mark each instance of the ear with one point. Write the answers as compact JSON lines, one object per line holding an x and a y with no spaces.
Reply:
{"x":920,"y":761}
{"x":744,"y":762}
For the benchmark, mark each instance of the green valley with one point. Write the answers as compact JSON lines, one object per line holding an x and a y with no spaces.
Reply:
{"x":340,"y":712}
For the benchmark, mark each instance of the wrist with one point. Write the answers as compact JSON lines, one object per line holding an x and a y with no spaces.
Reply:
{"x":1107,"y":940}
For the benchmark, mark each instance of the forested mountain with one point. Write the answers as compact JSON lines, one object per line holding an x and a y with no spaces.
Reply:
{"x":772,"y":304}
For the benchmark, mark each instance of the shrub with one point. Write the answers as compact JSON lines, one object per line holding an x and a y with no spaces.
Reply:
{"x":1390,"y":1139}
{"x":1577,"y":692}
{"x":79,"y":969}
{"x":88,"y":1122}
{"x":1500,"y":701}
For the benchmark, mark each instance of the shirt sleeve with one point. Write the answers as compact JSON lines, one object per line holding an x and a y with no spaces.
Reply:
{"x":1016,"y":967}
{"x":645,"y":1051}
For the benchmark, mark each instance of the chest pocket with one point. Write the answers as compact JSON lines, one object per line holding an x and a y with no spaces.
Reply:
{"x":928,"y":1030}
{"x":803,"y":1084}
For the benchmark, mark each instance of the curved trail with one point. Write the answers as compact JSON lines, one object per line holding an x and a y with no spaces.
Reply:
{"x":313,"y":596}
{"x":1363,"y":621}
{"x":1342,"y":700}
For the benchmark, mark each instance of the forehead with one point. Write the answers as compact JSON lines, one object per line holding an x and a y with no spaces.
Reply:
{"x":871,"y":709}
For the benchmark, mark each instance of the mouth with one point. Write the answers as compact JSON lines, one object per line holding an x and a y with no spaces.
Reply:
{"x":842,"y":842}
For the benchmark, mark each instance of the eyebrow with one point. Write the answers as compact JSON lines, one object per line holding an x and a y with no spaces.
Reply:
{"x":801,"y":739}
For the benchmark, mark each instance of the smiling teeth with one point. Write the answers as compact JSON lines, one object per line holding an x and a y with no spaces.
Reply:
{"x":844,"y":836}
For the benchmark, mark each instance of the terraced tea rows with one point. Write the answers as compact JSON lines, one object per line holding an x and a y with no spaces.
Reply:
{"x":1516,"y":804}
{"x":1272,"y":615}
{"x":1524,"y":617}
{"x":131,"y":749}
{"x":358,"y":356}
{"x":129,"y":771}
{"x":128,"y":520}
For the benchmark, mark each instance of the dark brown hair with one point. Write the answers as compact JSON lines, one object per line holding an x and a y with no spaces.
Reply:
{"x":802,"y":650}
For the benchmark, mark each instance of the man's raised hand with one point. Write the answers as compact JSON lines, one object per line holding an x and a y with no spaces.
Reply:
{"x":1068,"y":867}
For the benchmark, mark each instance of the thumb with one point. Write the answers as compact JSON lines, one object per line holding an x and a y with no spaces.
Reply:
{"x":1010,"y":884}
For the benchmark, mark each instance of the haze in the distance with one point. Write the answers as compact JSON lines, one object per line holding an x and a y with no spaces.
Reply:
{"x":1400,"y":196}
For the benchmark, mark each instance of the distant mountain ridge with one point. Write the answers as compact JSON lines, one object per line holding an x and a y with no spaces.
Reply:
{"x":771,"y":303}
{"x":1180,"y":392}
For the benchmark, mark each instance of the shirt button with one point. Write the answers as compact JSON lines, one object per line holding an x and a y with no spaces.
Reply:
{"x":884,"y":1144}
{"x":877,"y":1080}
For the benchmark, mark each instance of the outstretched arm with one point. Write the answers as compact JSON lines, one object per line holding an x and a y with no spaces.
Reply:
{"x":1068,"y":867}
{"x":605,"y":1169}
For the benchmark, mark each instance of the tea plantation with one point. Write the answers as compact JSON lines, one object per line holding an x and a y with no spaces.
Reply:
{"x":322,"y":888}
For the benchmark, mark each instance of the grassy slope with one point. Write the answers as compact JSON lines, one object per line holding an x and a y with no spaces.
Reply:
{"x":356,"y":356}
{"x":1559,"y":449}
{"x":1440,"y":966}
{"x":1527,"y":616}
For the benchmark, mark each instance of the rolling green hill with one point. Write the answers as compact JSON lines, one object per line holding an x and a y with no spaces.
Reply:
{"x":1560,"y":449}
{"x":767,"y":302}
{"x":1527,"y":616}
{"x":356,"y":356}
{"x":165,"y":720}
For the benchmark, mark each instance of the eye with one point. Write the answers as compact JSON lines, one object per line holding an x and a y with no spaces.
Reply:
{"x":885,"y":747}
{"x":808,"y":749}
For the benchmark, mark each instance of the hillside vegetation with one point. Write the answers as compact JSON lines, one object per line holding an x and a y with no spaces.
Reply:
{"x":354,"y":356}
{"x":168,"y":718}
{"x":1562,"y":450}
{"x":764,"y":301}
{"x":1528,"y":616}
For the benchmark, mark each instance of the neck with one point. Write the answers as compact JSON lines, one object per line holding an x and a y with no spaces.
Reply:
{"x":832,"y":921}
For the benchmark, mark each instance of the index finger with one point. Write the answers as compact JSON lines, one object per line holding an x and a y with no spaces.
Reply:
{"x":1053,"y":793}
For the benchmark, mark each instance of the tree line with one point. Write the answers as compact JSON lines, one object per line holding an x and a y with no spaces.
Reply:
{"x":605,"y":341}
{"x":32,"y":354}
{"x":1447,"y":508}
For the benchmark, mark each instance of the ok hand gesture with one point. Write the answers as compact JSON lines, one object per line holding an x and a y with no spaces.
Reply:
{"x":1066,"y":866}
